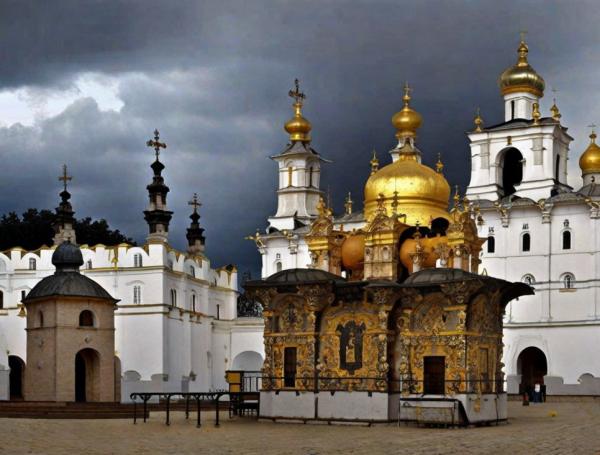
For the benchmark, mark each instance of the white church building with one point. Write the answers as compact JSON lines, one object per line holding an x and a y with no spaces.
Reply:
{"x":176,"y":322}
{"x":538,"y":229}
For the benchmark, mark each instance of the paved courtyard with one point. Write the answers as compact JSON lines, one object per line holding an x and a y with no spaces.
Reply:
{"x":532,"y":430}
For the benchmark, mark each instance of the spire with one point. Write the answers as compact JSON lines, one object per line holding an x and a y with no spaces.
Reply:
{"x":64,"y":223}
{"x":439,"y":166}
{"x":348,"y":204}
{"x":374,"y":163}
{"x":194,"y":233}
{"x":298,"y":127}
{"x":157,"y":216}
{"x":478,"y":121}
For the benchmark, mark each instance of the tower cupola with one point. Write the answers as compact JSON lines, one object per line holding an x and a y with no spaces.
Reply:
{"x":157,"y":216}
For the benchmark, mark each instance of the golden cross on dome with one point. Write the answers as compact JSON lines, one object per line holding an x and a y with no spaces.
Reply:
{"x":156,"y":144}
{"x":296,"y":93}
{"x":195,"y":203}
{"x":407,"y":91}
{"x":65,"y":177}
{"x":592,"y":126}
{"x":522,"y":33}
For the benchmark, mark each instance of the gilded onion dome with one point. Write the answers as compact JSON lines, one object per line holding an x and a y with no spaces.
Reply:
{"x":298,"y":127}
{"x":416,"y":190}
{"x":407,"y":121}
{"x":521,"y":77}
{"x":589,"y":162}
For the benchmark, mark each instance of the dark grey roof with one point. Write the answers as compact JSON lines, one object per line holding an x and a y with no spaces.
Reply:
{"x":297,"y":276}
{"x":353,"y":217}
{"x":299,"y":147}
{"x":435,"y":277}
{"x":70,"y":284}
{"x":67,"y":256}
{"x":430,"y":276}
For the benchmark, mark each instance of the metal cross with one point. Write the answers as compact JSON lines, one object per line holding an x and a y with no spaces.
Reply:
{"x":523,"y":33}
{"x":195,"y":203}
{"x":592,"y":126}
{"x":407,"y":89}
{"x":65,"y":177}
{"x":296,"y":93}
{"x":156,"y":144}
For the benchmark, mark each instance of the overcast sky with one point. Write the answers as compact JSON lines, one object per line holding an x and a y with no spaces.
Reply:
{"x":86,"y":82}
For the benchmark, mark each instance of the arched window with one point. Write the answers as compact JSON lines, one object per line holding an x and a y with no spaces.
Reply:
{"x":566,"y":240}
{"x":40,"y":318}
{"x":512,"y":109}
{"x":32,"y":264}
{"x":192,"y":271}
{"x":86,"y":319}
{"x":173,"y":298}
{"x":310,"y":176}
{"x":491,"y":244}
{"x":568,"y":281}
{"x":511,"y":166}
{"x":1,"y":299}
{"x":278,"y":266}
{"x":23,"y":295}
{"x":137,"y":294}
{"x":528,"y":279}
{"x":526,"y":242}
{"x":194,"y":302}
{"x":137,"y":260}
{"x":290,"y":171}
{"x":89,"y":264}
{"x":557,"y":169}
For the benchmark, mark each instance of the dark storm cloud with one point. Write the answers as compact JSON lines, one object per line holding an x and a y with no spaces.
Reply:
{"x":213,"y":77}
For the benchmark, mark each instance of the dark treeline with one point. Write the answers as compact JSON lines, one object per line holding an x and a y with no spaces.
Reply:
{"x":34,"y":229}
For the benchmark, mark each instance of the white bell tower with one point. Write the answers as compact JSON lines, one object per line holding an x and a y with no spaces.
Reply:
{"x":299,"y":173}
{"x":527,"y":154}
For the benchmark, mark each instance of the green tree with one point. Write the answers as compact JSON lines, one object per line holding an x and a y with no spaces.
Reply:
{"x":34,"y":229}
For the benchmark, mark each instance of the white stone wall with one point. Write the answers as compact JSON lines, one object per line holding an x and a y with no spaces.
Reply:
{"x":158,"y":345}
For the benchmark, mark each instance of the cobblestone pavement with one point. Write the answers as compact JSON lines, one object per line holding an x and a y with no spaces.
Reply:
{"x":531,"y":430}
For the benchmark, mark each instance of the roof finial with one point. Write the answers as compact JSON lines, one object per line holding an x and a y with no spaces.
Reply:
{"x":296,"y":93}
{"x":348,"y":204}
{"x":593,"y":133}
{"x":374,"y":163}
{"x":407,"y":90}
{"x":156,"y":144}
{"x":478,"y":121}
{"x":439,"y":166}
{"x":554,"y":109}
{"x":523,"y":50}
{"x":65,"y":177}
{"x":195,"y":203}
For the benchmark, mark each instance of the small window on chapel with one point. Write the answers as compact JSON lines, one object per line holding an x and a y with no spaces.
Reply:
{"x":491,"y":244}
{"x":32,"y":264}
{"x":86,"y":319}
{"x":279,"y":266}
{"x":23,"y":295}
{"x":137,"y":295}
{"x":89,"y":264}
{"x":566,"y":240}
{"x":173,"y":298}
{"x":137,"y":260}
{"x":1,"y":299}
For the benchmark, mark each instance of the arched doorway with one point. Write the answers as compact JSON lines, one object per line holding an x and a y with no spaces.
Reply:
{"x":532,"y":366}
{"x":511,"y":166}
{"x":16,"y":377}
{"x":87,"y":375}
{"x":247,"y":361}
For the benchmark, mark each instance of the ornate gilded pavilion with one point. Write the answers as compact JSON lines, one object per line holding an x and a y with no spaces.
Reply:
{"x":392,"y":311}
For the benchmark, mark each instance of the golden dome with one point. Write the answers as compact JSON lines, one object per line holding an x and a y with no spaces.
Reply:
{"x":406,"y":121}
{"x":409,"y":245}
{"x":353,"y":252}
{"x":589,"y":162}
{"x":521,"y":77}
{"x":418,"y":191}
{"x":298,"y":127}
